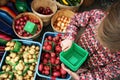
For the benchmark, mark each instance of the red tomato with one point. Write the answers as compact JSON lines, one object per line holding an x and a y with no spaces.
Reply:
{"x":47,"y":55}
{"x":52,"y":54}
{"x":52,"y":60}
{"x":47,"y":72}
{"x":40,"y":68}
{"x":49,"y":38}
{"x":63,"y":72}
{"x":48,"y":47}
{"x":56,"y":73}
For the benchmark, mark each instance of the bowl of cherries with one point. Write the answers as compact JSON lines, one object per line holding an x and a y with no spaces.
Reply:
{"x":45,"y":9}
{"x":27,"y":25}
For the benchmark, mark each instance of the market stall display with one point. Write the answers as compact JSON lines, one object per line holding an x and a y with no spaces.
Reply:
{"x":61,"y":19}
{"x":42,"y":8}
{"x":27,"y":25}
{"x":21,"y":65}
{"x":49,"y":65}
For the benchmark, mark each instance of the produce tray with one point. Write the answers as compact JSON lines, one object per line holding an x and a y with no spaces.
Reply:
{"x":25,"y":42}
{"x":53,"y":34}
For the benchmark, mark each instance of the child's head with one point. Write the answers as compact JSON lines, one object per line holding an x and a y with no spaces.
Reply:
{"x":109,"y":29}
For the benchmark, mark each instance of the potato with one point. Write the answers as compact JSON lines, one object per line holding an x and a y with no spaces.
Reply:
{"x":32,"y":68}
{"x":23,"y":47}
{"x":31,"y":60}
{"x":16,"y":59}
{"x":12,"y":44}
{"x":4,"y":75}
{"x":30,"y":56}
{"x":19,"y":72}
{"x":25,"y":60}
{"x":8,"y":58}
{"x":32,"y":78}
{"x":30,"y":73}
{"x":33,"y":46}
{"x":7,"y":48}
{"x":31,"y":51}
{"x":11,"y":48}
{"x":12,"y":54}
{"x":4,"y":67}
{"x":37,"y":48}
{"x":19,"y":78}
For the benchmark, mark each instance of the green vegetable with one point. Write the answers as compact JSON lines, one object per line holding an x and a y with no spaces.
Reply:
{"x":70,"y":2}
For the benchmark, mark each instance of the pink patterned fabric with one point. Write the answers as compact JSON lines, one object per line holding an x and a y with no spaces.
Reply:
{"x":101,"y":64}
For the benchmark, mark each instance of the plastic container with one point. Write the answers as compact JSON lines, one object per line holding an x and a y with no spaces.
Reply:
{"x":68,"y":77}
{"x":44,"y":3}
{"x":74,"y":57}
{"x":25,"y":42}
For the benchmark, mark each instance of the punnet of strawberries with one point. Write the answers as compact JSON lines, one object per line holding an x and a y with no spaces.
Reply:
{"x":50,"y":64}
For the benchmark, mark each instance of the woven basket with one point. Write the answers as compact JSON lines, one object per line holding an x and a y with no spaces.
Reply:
{"x":31,"y":16}
{"x":73,"y":8}
{"x":44,"y":3}
{"x":62,"y":12}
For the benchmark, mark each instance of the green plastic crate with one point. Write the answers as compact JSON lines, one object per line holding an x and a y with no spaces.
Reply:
{"x":30,"y":27}
{"x":74,"y":57}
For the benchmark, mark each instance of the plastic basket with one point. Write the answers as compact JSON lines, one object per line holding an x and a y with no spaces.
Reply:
{"x":74,"y":57}
{"x":25,"y":42}
{"x":42,"y":75}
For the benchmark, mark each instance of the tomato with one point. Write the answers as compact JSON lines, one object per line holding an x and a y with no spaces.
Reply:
{"x":58,"y":67}
{"x":52,"y":60}
{"x":48,"y":47}
{"x":47,"y":68}
{"x":57,"y":61}
{"x":47,"y":55}
{"x":58,"y":48}
{"x":47,"y":72}
{"x":52,"y":54}
{"x":63,"y":72}
{"x":45,"y":61}
{"x":40,"y":67}
{"x":49,"y":38}
{"x":56,"y":73}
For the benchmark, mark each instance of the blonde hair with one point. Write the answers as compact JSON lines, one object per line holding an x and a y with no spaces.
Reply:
{"x":109,"y":30}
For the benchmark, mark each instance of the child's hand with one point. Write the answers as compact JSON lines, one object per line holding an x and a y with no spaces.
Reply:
{"x":73,"y":74}
{"x":66,"y":44}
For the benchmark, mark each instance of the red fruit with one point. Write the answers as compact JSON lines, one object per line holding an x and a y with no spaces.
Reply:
{"x":59,"y":34}
{"x":56,"y":73}
{"x":46,"y":72}
{"x":49,"y":38}
{"x":40,"y":68}
{"x":58,"y":58}
{"x":54,"y":39}
{"x":58,"y":48}
{"x":47,"y":68}
{"x":58,"y":67}
{"x":52,"y":60}
{"x":48,"y":47}
{"x":52,"y":54}
{"x":43,"y":72}
{"x":45,"y":61}
{"x":43,"y":47}
{"x":63,"y":72}
{"x":57,"y":61}
{"x":46,"y":43}
{"x":57,"y":38}
{"x":47,"y":55}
